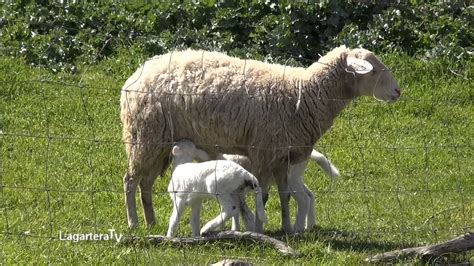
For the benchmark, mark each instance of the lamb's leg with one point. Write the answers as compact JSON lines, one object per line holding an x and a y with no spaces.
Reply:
{"x":228,"y":211}
{"x":247,"y":215}
{"x":130,"y":188}
{"x":258,"y":223}
{"x":236,"y":222}
{"x":195,"y":217}
{"x":216,"y":222}
{"x":236,"y":211}
{"x":297,"y":186}
{"x":311,"y":217}
{"x":178,"y":208}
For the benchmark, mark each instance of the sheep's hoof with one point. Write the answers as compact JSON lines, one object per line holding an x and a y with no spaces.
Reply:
{"x":297,"y":233}
{"x":132,"y":225}
{"x":150,"y":225}
{"x":208,"y":233}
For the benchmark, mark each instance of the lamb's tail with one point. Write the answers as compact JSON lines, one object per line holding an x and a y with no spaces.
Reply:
{"x":325,"y":164}
{"x":260,"y":213}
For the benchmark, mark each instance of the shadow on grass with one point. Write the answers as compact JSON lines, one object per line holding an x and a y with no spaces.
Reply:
{"x":341,"y":240}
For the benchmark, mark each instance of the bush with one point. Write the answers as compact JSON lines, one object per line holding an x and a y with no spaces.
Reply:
{"x":428,"y":30}
{"x":59,"y":37}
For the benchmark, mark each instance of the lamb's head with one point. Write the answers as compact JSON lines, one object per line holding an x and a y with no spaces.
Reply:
{"x":186,"y":151}
{"x":370,"y":77}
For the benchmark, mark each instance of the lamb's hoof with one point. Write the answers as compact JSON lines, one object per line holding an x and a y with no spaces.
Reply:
{"x":229,"y":262}
{"x":205,"y":233}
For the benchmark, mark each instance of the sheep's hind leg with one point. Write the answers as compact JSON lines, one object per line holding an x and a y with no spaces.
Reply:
{"x":130,"y":188}
{"x":298,"y":191}
{"x":258,"y":223}
{"x":146,"y":189}
{"x":311,"y":217}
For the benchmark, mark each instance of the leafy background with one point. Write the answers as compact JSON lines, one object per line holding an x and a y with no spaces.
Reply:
{"x":60,"y":37}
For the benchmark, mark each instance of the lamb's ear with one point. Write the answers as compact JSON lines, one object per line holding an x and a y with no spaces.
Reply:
{"x":176,"y":151}
{"x":359,"y":66}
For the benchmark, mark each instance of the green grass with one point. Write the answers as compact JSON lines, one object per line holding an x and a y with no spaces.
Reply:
{"x":407,"y":171}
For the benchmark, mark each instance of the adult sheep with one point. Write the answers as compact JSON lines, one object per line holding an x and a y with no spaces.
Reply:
{"x":274,"y":114}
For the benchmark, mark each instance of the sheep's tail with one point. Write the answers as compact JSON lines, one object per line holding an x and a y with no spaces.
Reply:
{"x":325,"y":164}
{"x":252,"y":182}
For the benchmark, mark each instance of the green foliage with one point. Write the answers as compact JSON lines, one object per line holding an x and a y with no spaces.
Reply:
{"x":61,"y":37}
{"x":442,"y":29}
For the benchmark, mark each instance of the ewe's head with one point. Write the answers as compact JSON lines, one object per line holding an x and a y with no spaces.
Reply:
{"x":186,"y":150}
{"x":370,"y":77}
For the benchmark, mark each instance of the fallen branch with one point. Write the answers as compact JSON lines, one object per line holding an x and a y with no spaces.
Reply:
{"x":216,"y":236}
{"x":455,"y":245}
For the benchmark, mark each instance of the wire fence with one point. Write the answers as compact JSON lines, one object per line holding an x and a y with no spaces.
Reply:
{"x":406,"y":168}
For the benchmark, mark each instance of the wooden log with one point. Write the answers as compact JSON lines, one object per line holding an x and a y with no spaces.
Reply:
{"x":282,"y":247}
{"x":456,"y":245}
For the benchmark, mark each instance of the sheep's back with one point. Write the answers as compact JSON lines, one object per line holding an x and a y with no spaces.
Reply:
{"x":221,"y":103}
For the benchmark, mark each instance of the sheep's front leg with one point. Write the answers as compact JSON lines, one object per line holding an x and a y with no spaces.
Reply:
{"x":298,"y":191}
{"x":195,"y":217}
{"x":178,"y":208}
{"x":284,"y":192}
{"x":227,"y":211}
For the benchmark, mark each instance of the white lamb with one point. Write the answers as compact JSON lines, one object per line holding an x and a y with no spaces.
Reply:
{"x":191,"y":183}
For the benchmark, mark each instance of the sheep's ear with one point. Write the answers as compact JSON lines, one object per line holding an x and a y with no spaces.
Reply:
{"x":202,"y":155}
{"x":359,"y":66}
{"x":176,"y":151}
